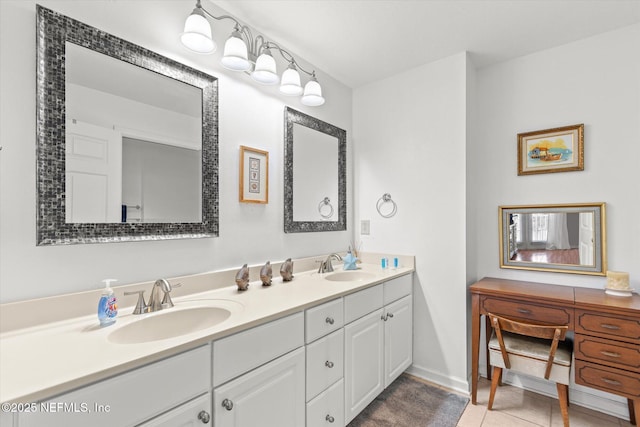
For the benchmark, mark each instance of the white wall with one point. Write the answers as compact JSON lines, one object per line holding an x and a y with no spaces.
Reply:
{"x":249,"y":115}
{"x":595,"y":81}
{"x":409,"y":137}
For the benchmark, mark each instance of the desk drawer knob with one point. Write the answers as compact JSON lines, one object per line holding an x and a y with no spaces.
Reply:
{"x":328,"y":364}
{"x":610,"y":353}
{"x":329,"y":320}
{"x":610,"y":327}
{"x":227,"y":404}
{"x":329,"y":418}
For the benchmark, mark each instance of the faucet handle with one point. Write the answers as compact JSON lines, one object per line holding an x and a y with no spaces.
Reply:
{"x":166,"y":300}
{"x":141,"y":305}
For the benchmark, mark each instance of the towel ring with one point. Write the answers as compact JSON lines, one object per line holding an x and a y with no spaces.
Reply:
{"x":325,"y":202}
{"x":386,"y":198}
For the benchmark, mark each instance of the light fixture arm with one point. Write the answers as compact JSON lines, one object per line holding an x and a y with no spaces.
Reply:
{"x":287,"y":57}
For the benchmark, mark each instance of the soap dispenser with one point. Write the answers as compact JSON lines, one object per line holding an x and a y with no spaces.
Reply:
{"x":107,"y":307}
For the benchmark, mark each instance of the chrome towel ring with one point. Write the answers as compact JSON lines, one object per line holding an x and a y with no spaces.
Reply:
{"x":386,"y":198}
{"x":323,"y":203}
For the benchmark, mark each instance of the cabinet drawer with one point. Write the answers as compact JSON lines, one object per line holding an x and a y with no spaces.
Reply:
{"x":132,"y":397}
{"x":606,"y":352}
{"x":193,"y":413}
{"x":239,"y":353}
{"x":325,"y":363}
{"x":363,"y":302}
{"x":612,"y":380}
{"x":521,"y":310}
{"x":328,"y":408}
{"x":323,"y":319}
{"x":608,"y":326}
{"x":397,"y":288}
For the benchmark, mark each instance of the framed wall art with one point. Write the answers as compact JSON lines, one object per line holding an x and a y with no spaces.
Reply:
{"x":551,"y":150}
{"x":254,"y":175}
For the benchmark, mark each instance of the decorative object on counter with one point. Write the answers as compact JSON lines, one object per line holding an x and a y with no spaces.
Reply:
{"x":618,"y":284}
{"x":384,"y":263}
{"x":349,"y":261}
{"x":244,"y":53}
{"x":266,"y":273}
{"x":396,"y":263}
{"x":551,"y":150}
{"x":386,"y":198}
{"x":242,"y":278}
{"x":107,"y":306}
{"x":324,"y":203}
{"x":286,"y":270}
{"x":254,"y":175}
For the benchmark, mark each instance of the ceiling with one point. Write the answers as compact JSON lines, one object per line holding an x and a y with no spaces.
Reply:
{"x":361,"y":41}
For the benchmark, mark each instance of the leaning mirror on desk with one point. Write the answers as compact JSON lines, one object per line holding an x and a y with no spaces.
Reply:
{"x":565,"y":238}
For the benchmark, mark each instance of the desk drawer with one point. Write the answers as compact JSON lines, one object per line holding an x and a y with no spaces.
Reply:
{"x":612,"y":380}
{"x":606,"y":352}
{"x":522,"y":310}
{"x":608,"y":326}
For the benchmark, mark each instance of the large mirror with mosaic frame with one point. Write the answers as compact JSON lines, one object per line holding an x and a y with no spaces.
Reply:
{"x":315,"y":175}
{"x":71,"y":56}
{"x":565,"y":238}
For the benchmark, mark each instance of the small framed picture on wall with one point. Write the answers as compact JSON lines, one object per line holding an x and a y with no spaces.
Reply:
{"x":551,"y":150}
{"x":254,"y":175}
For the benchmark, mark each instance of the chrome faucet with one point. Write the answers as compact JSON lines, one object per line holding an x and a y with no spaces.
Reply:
{"x":157,"y":301}
{"x":326,"y":266}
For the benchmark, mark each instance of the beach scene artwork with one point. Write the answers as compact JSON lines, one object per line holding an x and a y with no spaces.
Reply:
{"x":551,"y":150}
{"x":543,"y":152}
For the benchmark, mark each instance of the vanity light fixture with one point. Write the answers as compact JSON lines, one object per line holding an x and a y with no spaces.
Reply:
{"x":243,"y":52}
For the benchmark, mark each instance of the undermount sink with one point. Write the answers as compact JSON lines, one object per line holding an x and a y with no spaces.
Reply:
{"x":349,"y":276}
{"x":170,"y":323}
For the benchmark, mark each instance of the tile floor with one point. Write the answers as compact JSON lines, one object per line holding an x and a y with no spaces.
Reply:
{"x":515,"y":407}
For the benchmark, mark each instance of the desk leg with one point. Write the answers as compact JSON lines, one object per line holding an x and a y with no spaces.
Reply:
{"x":475,"y":345}
{"x":488,"y":330}
{"x":634,"y":410}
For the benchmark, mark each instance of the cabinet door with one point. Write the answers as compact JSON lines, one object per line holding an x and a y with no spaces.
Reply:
{"x":269,"y":396}
{"x":364,"y":362}
{"x":195,"y":413}
{"x":398,"y":338}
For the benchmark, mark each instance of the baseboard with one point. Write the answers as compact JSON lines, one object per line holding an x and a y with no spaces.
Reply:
{"x":582,"y":396}
{"x":455,"y":384}
{"x":606,"y":403}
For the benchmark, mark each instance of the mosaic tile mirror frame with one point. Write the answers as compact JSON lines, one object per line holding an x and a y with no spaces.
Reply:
{"x":53,"y":31}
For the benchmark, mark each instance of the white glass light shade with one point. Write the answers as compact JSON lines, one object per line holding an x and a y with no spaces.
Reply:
{"x":235,"y":54}
{"x":312,"y":96}
{"x":197,"y":33}
{"x":290,"y":84}
{"x":265,"y":69}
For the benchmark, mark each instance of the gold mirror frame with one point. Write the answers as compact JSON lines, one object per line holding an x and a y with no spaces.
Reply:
{"x":598,"y":245}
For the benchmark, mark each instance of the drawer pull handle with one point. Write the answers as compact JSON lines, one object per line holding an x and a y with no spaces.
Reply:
{"x":609,"y":353}
{"x":524,"y":311}
{"x":611,"y":327}
{"x":611,"y":382}
{"x":204,"y":417}
{"x":390,"y":315}
{"x":328,"y":364}
{"x":227,"y":404}
{"x":329,"y":418}
{"x":329,"y":320}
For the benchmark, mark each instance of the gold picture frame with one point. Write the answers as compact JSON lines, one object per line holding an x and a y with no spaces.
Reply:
{"x":551,"y":150}
{"x":254,"y":175}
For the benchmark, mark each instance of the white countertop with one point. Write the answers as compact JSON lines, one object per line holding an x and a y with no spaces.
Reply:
{"x":42,"y":361}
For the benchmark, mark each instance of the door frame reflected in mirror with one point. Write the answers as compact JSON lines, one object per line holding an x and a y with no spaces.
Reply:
{"x":509,"y":249}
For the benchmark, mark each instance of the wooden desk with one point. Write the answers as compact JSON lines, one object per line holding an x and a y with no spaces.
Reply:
{"x":607,"y":330}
